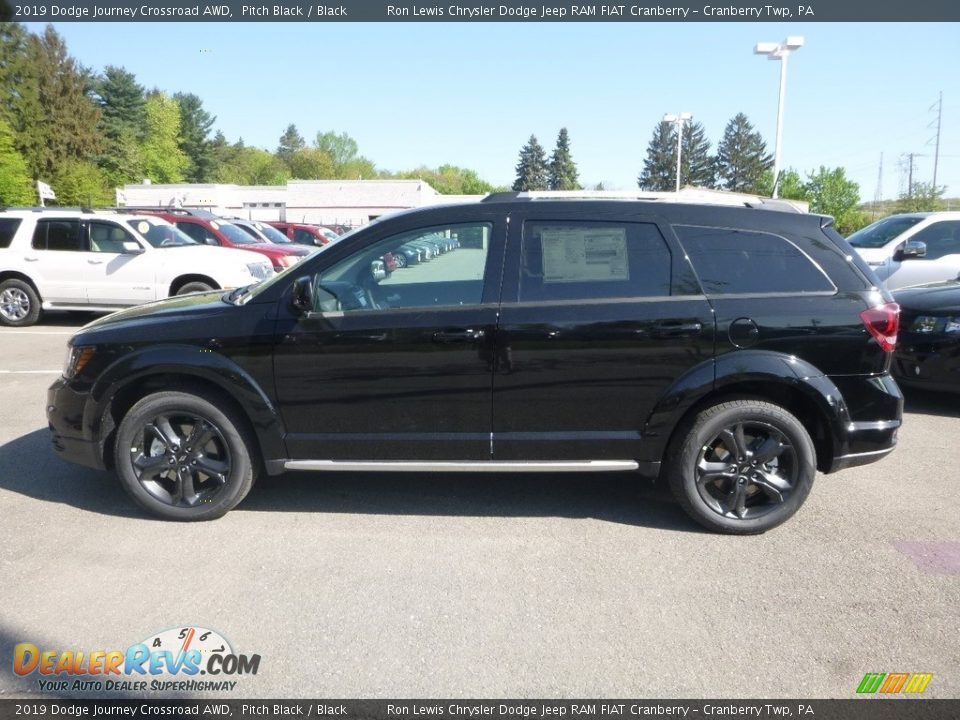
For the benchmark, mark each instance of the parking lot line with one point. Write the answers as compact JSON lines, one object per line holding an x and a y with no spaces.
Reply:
{"x":36,"y":332}
{"x":27,"y":372}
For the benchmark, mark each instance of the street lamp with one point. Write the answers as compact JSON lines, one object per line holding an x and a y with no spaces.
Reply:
{"x":779,"y":51}
{"x":678,"y":120}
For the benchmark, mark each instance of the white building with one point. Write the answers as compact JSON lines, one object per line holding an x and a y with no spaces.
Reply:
{"x":326,"y":202}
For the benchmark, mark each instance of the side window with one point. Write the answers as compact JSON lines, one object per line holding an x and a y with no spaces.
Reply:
{"x":108,"y":238}
{"x":730,"y":261}
{"x":8,"y":227}
{"x":942,"y":238}
{"x":53,"y":234}
{"x":198,"y":233}
{"x":448,"y":270}
{"x":586,"y":260}
{"x":304,"y":238}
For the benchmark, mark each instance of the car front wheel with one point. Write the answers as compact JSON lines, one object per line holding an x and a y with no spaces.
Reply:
{"x":19,"y":303}
{"x":181,"y":456}
{"x":742,"y":467}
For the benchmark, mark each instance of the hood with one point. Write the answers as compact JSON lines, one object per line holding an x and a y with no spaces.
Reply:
{"x":942,"y":298}
{"x":274,"y":250}
{"x":873,"y":256}
{"x":208,"y":253}
{"x":179,"y":307}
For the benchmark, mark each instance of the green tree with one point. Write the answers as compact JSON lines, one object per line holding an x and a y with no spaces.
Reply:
{"x":244,"y":165}
{"x":532,"y":167}
{"x":309,"y":163}
{"x":562,"y":172}
{"x":163,"y":160}
{"x":16,"y":187}
{"x":123,"y":121}
{"x":291,"y":142}
{"x":341,"y":148}
{"x":195,"y":143}
{"x":742,"y":157}
{"x":81,"y":182}
{"x":696,"y":163}
{"x":449,"y":180}
{"x":13,"y":69}
{"x":792,"y":186}
{"x":56,"y":121}
{"x":924,"y":197}
{"x":831,"y":193}
{"x":660,"y":166}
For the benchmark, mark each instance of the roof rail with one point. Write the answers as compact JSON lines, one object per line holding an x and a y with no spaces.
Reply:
{"x":52,"y":208}
{"x":686,"y":195}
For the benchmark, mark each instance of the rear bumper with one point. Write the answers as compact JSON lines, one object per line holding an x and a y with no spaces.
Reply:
{"x":875,"y":407}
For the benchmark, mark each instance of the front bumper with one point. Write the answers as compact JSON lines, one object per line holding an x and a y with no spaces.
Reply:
{"x":73,"y":439}
{"x":926,"y":362}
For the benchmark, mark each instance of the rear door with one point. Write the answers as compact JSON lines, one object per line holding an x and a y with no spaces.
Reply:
{"x":600,"y":317}
{"x":396,"y":367}
{"x":57,"y":258}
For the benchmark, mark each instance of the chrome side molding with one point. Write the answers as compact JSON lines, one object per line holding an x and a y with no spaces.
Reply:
{"x":467,"y":466}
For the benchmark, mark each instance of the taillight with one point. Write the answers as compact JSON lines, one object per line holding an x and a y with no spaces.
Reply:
{"x":883,"y":322}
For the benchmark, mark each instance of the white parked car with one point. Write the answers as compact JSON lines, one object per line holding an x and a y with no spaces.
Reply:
{"x":53,"y":259}
{"x":912,"y":248}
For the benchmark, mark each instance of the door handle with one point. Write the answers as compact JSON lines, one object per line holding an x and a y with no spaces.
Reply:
{"x":31,"y":259}
{"x":454,"y":336}
{"x":95,"y":262}
{"x":676,"y":329}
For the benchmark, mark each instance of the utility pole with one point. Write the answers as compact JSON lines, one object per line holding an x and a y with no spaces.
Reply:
{"x":878,"y":195}
{"x":936,"y":152}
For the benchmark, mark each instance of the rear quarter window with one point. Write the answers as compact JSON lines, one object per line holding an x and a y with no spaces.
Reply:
{"x":8,"y":228}
{"x":730,"y":261}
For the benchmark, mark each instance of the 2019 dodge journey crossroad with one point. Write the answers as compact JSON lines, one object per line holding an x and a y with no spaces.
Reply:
{"x":731,"y":351}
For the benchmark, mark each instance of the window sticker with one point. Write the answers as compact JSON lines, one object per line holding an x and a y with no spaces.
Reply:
{"x":143,"y":227}
{"x":214,"y":224}
{"x":584,"y":254}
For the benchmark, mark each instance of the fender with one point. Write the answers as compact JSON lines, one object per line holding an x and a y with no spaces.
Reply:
{"x":190,"y":361}
{"x":762,"y":367}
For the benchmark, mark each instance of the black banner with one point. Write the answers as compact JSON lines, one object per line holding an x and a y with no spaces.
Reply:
{"x":480,"y":11}
{"x":854,"y":709}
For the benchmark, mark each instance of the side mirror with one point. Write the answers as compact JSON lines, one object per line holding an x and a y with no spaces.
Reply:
{"x":131,"y":247}
{"x":302,"y":298}
{"x":912,"y":249}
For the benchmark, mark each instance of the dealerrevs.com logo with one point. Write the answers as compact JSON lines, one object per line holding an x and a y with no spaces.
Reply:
{"x":170,"y":661}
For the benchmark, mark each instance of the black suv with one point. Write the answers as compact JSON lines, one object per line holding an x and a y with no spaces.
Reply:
{"x":731,"y":351}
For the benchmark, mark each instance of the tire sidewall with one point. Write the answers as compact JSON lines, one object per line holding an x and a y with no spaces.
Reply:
{"x":241,"y":475}
{"x":705,"y":428}
{"x":192,"y":287}
{"x":35,"y":310}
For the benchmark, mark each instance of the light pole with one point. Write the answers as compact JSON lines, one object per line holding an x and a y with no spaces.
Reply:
{"x":779,"y":51}
{"x":678,"y":120}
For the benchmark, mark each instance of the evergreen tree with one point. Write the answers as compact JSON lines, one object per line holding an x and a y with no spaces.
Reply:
{"x":163,"y":160}
{"x":562,"y":171}
{"x":532,"y":168}
{"x":56,"y":120}
{"x":195,"y":125}
{"x":13,"y":69}
{"x":123,"y":117}
{"x":291,"y":142}
{"x":696,"y":163}
{"x":742,"y":157}
{"x":16,"y":187}
{"x":660,"y":167}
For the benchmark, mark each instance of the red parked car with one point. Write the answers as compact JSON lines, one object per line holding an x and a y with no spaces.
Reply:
{"x":209,"y":229}
{"x":306,"y":234}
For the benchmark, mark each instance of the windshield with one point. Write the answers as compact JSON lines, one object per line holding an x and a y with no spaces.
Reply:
{"x":274,"y":235}
{"x":234,"y":234}
{"x":883,"y":231}
{"x":252,"y":291}
{"x":160,"y":233}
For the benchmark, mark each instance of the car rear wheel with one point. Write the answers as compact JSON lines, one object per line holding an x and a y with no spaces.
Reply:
{"x":19,"y":303}
{"x":742,"y":467}
{"x":182,"y":457}
{"x":401,"y":261}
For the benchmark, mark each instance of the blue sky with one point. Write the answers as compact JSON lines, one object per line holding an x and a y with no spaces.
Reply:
{"x":471,"y":94}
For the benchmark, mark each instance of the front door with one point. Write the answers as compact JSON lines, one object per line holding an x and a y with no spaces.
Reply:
{"x":395,"y":365}
{"x":113,"y":276}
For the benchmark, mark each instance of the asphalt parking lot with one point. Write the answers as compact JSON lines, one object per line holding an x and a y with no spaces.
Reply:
{"x":487,"y":586}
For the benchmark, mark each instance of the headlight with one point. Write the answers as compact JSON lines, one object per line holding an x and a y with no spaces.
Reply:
{"x":932,"y":324}
{"x":77,"y":359}
{"x":260,"y":271}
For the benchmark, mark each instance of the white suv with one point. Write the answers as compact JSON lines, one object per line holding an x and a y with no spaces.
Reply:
{"x":912,"y":248}
{"x":52,"y":259}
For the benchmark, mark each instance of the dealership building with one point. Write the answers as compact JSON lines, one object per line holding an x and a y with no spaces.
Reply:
{"x":326,"y":202}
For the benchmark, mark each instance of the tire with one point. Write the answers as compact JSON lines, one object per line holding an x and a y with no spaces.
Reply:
{"x":192,"y":287}
{"x":401,"y":261}
{"x":19,"y":303}
{"x":748,"y":490}
{"x":166,"y":474}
